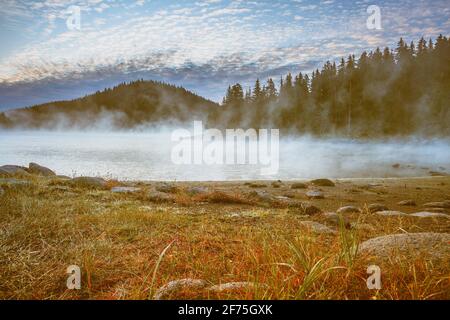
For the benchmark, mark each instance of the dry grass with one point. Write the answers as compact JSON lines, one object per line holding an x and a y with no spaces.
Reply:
{"x":127,"y":247}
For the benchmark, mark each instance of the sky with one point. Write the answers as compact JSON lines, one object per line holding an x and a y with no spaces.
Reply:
{"x":202,"y":45}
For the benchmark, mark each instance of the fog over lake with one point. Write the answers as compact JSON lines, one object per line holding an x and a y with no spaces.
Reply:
{"x":147,"y":156}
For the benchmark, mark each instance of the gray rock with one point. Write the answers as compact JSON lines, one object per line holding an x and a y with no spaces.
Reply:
{"x":408,"y":245}
{"x":34,"y":168}
{"x":13,"y":170}
{"x":374,"y":207}
{"x":348,"y":209}
{"x":407,"y":203}
{"x":177,"y":286}
{"x":298,"y":185}
{"x":315,"y":194}
{"x":443,"y":204}
{"x":125,"y":189}
{"x":262,"y":196}
{"x":391,"y":213}
{"x":337,"y":219}
{"x":426,"y":214}
{"x":323,"y":183}
{"x":318,"y":227}
{"x":89,"y":182}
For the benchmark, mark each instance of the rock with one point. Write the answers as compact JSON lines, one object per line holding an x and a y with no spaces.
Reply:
{"x":408,"y":245}
{"x":315,"y":194}
{"x":348,"y":209}
{"x":125,"y":190}
{"x":390,"y":213}
{"x":34,"y":168}
{"x":167,"y":188}
{"x":89,"y":182}
{"x":176,"y":286}
{"x":374,"y":207}
{"x":396,"y":166}
{"x":426,"y":214}
{"x":443,"y":204}
{"x":157,"y":196}
{"x":317,"y":227}
{"x":14,"y":170}
{"x":261,"y":195}
{"x":337,"y":219}
{"x":323,"y":183}
{"x":407,"y":203}
{"x":233,"y":286}
{"x":298,"y":186}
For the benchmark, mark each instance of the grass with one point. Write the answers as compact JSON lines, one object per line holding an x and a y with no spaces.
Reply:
{"x":127,"y":247}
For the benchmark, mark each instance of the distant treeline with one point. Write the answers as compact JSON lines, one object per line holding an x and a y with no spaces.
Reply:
{"x":383,"y":93}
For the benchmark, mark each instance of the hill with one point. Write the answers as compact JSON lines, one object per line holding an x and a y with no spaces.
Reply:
{"x":128,"y":105}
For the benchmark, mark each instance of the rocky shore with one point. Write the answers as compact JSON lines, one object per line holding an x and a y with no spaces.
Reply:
{"x":389,"y":222}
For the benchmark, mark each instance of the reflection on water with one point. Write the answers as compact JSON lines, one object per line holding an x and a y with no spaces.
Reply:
{"x":147,"y":156}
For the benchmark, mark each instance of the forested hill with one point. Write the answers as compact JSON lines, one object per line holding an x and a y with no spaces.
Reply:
{"x":386,"y":92}
{"x":126,"y":106}
{"x":383,"y":93}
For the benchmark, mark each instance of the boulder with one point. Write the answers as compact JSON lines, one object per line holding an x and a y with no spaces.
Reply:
{"x":426,"y":214}
{"x":407,"y":203}
{"x":317,"y":227}
{"x":14,"y":170}
{"x":89,"y":182}
{"x":315,"y":194}
{"x":408,"y":245}
{"x":298,"y":185}
{"x":348,"y":209}
{"x":374,"y":207}
{"x":125,"y":189}
{"x":337,"y":219}
{"x":323,"y":183}
{"x":442,"y":204}
{"x":34,"y":168}
{"x":391,"y":213}
{"x":178,"y":286}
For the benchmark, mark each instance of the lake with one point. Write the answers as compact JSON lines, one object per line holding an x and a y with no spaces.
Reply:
{"x":147,"y":156}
